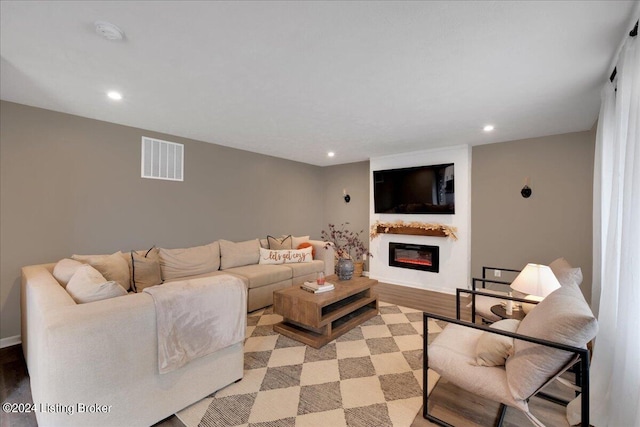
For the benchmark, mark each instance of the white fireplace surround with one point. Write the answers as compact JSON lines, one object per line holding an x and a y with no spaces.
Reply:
{"x":455,"y":255}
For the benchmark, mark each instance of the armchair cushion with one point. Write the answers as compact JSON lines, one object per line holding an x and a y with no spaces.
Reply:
{"x":484,"y":304}
{"x":563,"y":317}
{"x":565,"y":273}
{"x":453,"y":355}
{"x":494,"y":349}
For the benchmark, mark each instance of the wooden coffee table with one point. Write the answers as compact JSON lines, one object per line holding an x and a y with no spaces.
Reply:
{"x":316,"y":319}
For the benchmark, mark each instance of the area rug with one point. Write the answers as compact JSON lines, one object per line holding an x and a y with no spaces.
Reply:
{"x":372,"y":375}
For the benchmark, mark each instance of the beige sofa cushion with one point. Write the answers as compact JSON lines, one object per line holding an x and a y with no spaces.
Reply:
{"x":258,"y":275}
{"x":88,"y":285}
{"x":563,"y":317}
{"x":145,"y":269}
{"x":234,"y":254}
{"x":65,"y":269}
{"x":198,"y":276}
{"x":112,"y":267}
{"x":305,"y":268}
{"x":175,"y":263}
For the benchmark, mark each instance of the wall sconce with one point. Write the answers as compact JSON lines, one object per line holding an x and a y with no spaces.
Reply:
{"x":526,"y":190}
{"x":347,"y":198}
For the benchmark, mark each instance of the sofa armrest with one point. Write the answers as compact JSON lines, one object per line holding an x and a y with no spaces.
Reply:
{"x":40,"y":293}
{"x":325,"y":252}
{"x":63,"y":339}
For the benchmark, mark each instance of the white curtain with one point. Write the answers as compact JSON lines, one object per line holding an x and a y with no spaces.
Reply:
{"x":615,"y":368}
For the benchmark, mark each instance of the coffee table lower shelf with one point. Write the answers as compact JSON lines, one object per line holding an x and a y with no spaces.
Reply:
{"x":319,"y":337}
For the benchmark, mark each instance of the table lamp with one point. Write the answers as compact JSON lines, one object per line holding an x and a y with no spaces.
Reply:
{"x":537,"y":281}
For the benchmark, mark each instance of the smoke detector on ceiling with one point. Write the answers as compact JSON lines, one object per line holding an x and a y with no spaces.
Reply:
{"x":108,"y":30}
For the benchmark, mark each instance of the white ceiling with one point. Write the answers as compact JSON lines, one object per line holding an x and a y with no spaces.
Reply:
{"x":298,"y":79}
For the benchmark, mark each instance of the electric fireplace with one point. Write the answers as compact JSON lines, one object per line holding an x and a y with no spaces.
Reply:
{"x":416,"y":257}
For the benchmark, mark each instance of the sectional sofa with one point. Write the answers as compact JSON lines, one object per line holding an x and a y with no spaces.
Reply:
{"x":96,"y":363}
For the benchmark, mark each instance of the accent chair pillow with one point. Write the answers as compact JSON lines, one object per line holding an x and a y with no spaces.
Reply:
{"x":563,"y":317}
{"x":184,"y":262}
{"x":234,"y":254}
{"x":565,"y":273}
{"x":113,"y":267}
{"x":494,"y":349}
{"x":285,"y":256}
{"x":65,"y":269}
{"x":276,"y":243}
{"x":88,"y":285}
{"x":145,"y":269}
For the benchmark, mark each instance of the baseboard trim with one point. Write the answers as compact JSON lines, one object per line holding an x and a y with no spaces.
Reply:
{"x":9,"y":341}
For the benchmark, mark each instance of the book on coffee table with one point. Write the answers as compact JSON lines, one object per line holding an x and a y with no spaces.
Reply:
{"x":315,"y":288}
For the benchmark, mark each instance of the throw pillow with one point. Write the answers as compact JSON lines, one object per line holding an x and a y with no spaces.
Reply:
{"x":296,"y":241}
{"x":112,"y":267}
{"x":279,"y":243}
{"x":239,"y":254}
{"x":307,"y":245}
{"x":184,"y":262}
{"x":563,"y":317}
{"x":494,"y":349}
{"x":88,"y":285}
{"x":65,"y":269}
{"x":285,"y":256}
{"x":565,"y":273}
{"x":145,"y":269}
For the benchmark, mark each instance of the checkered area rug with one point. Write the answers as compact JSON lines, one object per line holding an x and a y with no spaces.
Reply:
{"x":372,"y":375}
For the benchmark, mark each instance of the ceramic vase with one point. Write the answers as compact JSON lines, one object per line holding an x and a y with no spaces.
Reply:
{"x":344,"y":269}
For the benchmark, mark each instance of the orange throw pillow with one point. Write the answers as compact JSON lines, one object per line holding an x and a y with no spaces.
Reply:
{"x":306,"y":245}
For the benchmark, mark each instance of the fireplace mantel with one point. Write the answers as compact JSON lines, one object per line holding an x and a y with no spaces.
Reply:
{"x":413,"y":229}
{"x":410,"y":231}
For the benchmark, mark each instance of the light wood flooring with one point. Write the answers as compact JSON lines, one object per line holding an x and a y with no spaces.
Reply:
{"x":448,"y":402}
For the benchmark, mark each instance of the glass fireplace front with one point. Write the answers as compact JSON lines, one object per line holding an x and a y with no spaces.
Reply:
{"x":417,"y":257}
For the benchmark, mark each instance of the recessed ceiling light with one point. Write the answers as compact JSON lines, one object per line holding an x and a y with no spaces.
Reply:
{"x":331,"y":154}
{"x":488,"y":128}
{"x":117,"y":96}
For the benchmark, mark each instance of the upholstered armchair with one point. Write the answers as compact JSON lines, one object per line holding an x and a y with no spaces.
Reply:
{"x":511,"y":361}
{"x":481,"y":303}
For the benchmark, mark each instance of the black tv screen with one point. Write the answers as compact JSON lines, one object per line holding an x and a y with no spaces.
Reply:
{"x":417,"y":190}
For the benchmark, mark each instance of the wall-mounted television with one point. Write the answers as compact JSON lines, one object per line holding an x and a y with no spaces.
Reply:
{"x":416,"y":190}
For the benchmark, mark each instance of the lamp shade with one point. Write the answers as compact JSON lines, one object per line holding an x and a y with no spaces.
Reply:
{"x":536,"y":279}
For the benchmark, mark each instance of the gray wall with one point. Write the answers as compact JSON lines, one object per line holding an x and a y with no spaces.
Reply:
{"x":354,"y":177}
{"x":72,"y":185}
{"x":509,"y":230}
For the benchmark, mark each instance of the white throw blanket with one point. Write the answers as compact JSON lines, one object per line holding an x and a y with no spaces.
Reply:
{"x":198,"y":317}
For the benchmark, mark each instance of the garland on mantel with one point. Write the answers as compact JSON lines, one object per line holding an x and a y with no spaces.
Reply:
{"x":445,"y":229}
